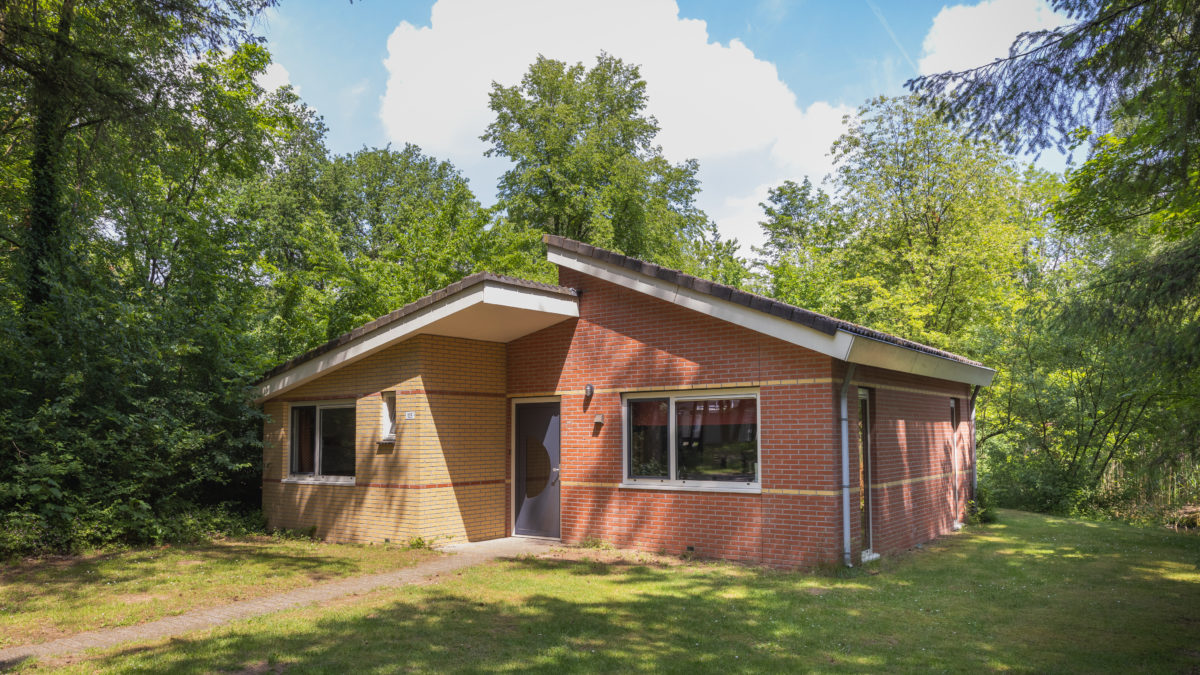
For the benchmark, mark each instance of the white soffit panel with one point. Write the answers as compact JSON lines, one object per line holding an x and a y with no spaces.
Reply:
{"x":488,"y":311}
{"x":870,"y":352}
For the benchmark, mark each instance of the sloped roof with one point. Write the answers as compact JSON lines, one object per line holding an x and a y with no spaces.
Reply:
{"x":411,"y":308}
{"x":805,"y":317}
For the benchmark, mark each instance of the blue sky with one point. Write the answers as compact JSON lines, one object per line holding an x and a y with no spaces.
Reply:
{"x":755,"y":90}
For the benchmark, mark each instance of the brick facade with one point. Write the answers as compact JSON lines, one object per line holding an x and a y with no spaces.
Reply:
{"x":444,"y":476}
{"x":626,"y":341}
{"x":448,"y":475}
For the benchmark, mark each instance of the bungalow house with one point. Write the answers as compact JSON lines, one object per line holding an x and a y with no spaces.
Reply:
{"x":630,"y":403}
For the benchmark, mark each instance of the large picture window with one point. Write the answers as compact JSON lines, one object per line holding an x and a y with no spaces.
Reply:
{"x":323,"y":440}
{"x":708,"y":440}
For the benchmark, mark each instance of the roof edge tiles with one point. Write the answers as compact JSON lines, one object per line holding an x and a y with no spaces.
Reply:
{"x":411,"y":308}
{"x":805,"y":317}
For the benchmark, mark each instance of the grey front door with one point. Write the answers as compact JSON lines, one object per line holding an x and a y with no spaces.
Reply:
{"x":536,"y":485}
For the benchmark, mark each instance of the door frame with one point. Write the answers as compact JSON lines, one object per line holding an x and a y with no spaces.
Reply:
{"x":867,"y":474}
{"x":512,"y":462}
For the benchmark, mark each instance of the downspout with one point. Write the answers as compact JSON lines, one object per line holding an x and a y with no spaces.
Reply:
{"x":974,"y":456}
{"x":845,"y":419}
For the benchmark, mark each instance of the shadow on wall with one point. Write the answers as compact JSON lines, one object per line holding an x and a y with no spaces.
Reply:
{"x":664,"y":347}
{"x":346,"y":513}
{"x":471,"y":432}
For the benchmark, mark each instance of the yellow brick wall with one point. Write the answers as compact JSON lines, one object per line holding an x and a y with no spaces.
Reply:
{"x":443,"y":478}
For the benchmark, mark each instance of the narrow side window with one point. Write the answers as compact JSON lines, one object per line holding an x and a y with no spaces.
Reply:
{"x":649,"y":443}
{"x":388,"y":417}
{"x":304,"y":439}
{"x":337,"y":441}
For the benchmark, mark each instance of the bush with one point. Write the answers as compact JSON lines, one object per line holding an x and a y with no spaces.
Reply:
{"x":981,"y":509}
{"x":24,"y":533}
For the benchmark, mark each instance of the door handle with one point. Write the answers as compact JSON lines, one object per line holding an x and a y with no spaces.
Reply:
{"x":554,"y":476}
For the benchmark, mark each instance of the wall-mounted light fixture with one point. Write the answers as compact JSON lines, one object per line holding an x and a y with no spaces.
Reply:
{"x":588,"y":390}
{"x":599,"y":419}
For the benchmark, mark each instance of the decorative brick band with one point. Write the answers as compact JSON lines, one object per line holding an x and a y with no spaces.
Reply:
{"x":406,"y":486}
{"x":806,"y":493}
{"x":450,"y":392}
{"x":337,"y":397}
{"x":910,"y":481}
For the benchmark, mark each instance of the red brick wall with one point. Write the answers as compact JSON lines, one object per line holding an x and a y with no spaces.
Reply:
{"x":913,"y":450}
{"x":625,"y":341}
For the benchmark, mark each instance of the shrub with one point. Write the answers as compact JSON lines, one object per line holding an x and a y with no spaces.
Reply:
{"x":122,"y":523}
{"x":982,"y":508}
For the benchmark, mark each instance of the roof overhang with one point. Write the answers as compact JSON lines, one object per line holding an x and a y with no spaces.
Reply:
{"x":840,"y":344}
{"x":491,"y":310}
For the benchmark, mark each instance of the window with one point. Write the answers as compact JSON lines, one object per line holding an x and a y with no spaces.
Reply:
{"x":387,"y":418}
{"x":708,"y":440}
{"x":323,"y":440}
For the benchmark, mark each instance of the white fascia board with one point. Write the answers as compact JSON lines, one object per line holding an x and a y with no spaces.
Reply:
{"x":836,"y":345}
{"x":488,"y":292}
{"x":871,"y":352}
{"x":530,"y":299}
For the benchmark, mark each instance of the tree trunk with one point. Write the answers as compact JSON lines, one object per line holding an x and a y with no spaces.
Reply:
{"x":45,"y":244}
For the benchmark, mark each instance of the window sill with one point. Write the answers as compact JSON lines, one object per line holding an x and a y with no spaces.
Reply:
{"x":321,"y":480}
{"x":744,"y":489}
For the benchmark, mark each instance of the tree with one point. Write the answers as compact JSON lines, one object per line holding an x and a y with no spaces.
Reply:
{"x":349,"y":238}
{"x":1123,"y":82}
{"x":125,"y":391}
{"x":79,"y":64}
{"x":584,"y":162}
{"x":1124,"y":78}
{"x":924,"y":234}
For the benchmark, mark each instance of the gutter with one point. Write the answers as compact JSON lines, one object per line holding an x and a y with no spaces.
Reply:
{"x":845,"y":431}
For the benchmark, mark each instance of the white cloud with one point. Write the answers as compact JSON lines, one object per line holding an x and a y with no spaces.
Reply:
{"x":965,"y":36}
{"x":274,"y":77}
{"x":717,"y":103}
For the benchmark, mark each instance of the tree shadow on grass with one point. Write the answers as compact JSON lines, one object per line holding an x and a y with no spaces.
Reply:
{"x":1004,"y":606}
{"x":72,"y":578}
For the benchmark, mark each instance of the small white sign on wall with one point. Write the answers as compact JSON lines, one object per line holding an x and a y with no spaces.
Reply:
{"x":410,"y":415}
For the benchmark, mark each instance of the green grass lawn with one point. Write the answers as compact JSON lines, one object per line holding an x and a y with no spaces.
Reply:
{"x":50,"y":598}
{"x":1031,"y":593}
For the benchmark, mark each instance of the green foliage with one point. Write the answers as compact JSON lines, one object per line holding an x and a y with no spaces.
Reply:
{"x":419,"y":543}
{"x":1103,"y":391}
{"x":982,"y":509}
{"x":1121,"y":79}
{"x":585,"y":166}
{"x":124,"y":363}
{"x":924,"y":235}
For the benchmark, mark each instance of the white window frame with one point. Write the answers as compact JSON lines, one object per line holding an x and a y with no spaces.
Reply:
{"x":387,"y":417}
{"x":669,"y":483}
{"x":316,"y":476}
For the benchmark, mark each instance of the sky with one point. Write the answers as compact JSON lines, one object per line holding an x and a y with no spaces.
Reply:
{"x":755,"y":90}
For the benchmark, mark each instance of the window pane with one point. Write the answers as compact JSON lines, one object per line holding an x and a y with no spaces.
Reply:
{"x":717,"y":439}
{"x":303,"y":433}
{"x":648,"y":438}
{"x":337,"y":441}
